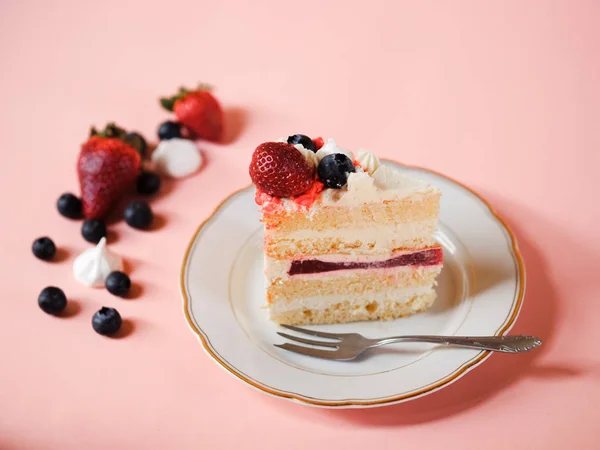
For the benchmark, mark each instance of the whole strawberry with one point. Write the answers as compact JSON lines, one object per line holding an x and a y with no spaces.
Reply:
{"x":198,"y":110}
{"x":280,"y":170}
{"x":107,"y":168}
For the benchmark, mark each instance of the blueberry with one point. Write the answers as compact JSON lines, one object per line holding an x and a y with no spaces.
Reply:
{"x":106,"y":321}
{"x":138,"y":214}
{"x":333,"y":170}
{"x":169,"y":130}
{"x":44,"y":248}
{"x":148,"y":183}
{"x":52,"y":300}
{"x":137,"y":141}
{"x":306,"y":142}
{"x":69,"y":206}
{"x":93,"y":230}
{"x":118,"y":283}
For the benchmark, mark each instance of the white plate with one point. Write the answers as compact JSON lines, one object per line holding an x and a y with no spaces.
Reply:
{"x":480,"y":292}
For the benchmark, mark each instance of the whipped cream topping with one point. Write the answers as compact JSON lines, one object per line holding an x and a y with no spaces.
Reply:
{"x":360,"y":188}
{"x":368,"y":161}
{"x":330,"y":148}
{"x":385,"y":184}
{"x":371,"y":182}
{"x":309,"y":156}
{"x":93,"y":265}
{"x":177,"y":158}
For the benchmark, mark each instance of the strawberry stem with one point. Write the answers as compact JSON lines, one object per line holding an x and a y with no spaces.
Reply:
{"x":111,"y":130}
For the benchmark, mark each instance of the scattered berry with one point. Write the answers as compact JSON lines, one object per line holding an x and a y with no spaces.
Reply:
{"x":198,"y":110}
{"x":107,"y":168}
{"x":306,"y":142}
{"x":280,"y":170}
{"x":138,"y":215}
{"x":69,"y":206}
{"x":137,"y":141}
{"x":118,"y":283}
{"x":44,"y":248}
{"x":93,"y":230}
{"x":169,"y":130}
{"x":52,"y":300}
{"x":106,"y":321}
{"x":333,"y":170}
{"x":148,"y":183}
{"x":319,"y":142}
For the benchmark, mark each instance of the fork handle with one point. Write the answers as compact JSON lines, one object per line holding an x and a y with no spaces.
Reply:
{"x":506,"y":344}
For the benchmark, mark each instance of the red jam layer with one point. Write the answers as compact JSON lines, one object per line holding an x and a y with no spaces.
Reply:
{"x":427,"y":257}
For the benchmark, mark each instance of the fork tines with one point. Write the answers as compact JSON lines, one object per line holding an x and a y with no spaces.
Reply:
{"x":332,"y":343}
{"x":321,"y":334}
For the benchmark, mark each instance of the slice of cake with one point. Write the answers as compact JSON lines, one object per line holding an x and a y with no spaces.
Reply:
{"x":346,"y":239}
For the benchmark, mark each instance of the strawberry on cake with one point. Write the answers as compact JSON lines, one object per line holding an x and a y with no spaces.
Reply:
{"x":346,"y":238}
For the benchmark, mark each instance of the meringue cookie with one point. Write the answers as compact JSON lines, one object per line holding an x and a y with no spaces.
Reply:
{"x":368,"y":161}
{"x":309,"y":156}
{"x":330,"y":148}
{"x":93,"y":265}
{"x":177,"y":158}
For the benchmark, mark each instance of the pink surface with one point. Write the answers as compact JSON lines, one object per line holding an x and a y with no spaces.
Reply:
{"x":503,"y":96}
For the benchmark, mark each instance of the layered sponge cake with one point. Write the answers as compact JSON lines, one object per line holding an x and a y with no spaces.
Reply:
{"x":346,"y":238}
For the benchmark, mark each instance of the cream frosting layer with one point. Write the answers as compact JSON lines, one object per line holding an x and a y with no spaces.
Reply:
{"x":322,"y":302}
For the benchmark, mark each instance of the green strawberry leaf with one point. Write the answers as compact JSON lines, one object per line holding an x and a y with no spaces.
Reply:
{"x":113,"y":131}
{"x":110,"y":131}
{"x":167,"y":103}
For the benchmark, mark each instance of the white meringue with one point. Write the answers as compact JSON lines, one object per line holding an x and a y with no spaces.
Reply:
{"x":330,"y":148}
{"x":177,"y":158}
{"x":368,"y":161}
{"x":93,"y":265}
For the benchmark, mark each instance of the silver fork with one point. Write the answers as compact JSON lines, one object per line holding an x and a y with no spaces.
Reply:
{"x":347,"y":346}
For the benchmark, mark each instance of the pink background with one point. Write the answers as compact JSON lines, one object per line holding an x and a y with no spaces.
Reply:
{"x":503,"y":96}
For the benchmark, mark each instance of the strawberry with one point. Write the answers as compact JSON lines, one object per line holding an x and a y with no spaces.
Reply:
{"x":280,"y":170}
{"x":198,"y":110}
{"x":107,"y":167}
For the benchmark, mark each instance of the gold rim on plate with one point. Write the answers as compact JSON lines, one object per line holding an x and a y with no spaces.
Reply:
{"x":477,"y":360}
